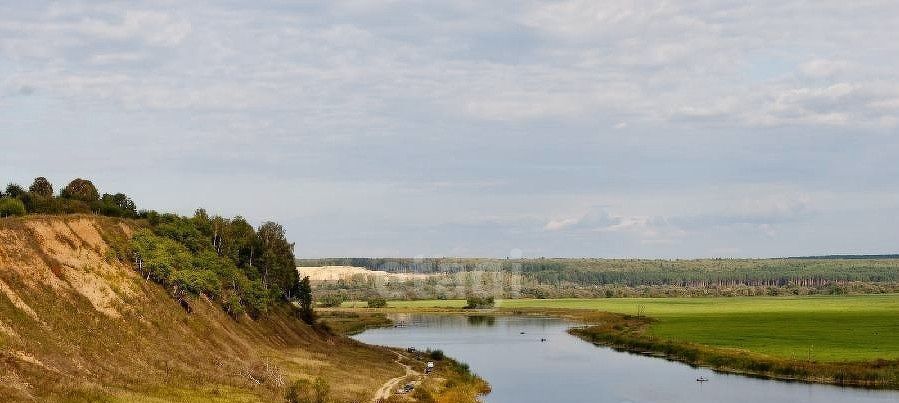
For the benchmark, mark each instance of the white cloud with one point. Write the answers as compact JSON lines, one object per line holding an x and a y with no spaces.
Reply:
{"x":823,"y":68}
{"x":559,"y":224}
{"x":121,"y":57}
{"x":481,"y":109}
{"x":155,"y":28}
{"x":599,"y":220}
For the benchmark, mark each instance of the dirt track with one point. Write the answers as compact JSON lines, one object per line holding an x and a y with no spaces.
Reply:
{"x":387,"y":389}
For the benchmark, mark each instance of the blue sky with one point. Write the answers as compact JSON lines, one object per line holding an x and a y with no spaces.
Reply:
{"x":473,"y":128}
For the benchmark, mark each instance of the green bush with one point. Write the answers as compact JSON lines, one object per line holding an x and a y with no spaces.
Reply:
{"x":256,"y":298}
{"x":436,"y":355}
{"x":11,"y":207}
{"x":476,"y":302}
{"x":331,"y":300}
{"x":376,"y":302}
{"x":233,"y":306}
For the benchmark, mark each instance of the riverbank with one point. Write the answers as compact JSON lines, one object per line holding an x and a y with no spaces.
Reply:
{"x":450,"y":381}
{"x":846,"y":341}
{"x":631,"y":333}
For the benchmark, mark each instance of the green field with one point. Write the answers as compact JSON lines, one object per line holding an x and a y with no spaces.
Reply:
{"x":823,"y":328}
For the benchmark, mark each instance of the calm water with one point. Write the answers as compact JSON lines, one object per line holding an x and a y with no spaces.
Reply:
{"x":522,"y":369}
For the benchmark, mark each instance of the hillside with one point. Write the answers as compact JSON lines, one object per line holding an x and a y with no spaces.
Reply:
{"x":77,"y":323}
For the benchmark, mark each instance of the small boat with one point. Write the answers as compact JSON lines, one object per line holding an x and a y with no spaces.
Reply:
{"x":542,"y":339}
{"x":702,"y":379}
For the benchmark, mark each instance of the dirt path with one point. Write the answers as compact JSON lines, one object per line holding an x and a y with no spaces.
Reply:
{"x":387,"y":389}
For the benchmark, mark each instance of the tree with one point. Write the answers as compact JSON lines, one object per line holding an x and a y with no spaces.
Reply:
{"x":14,"y":191}
{"x":41,"y":187}
{"x":276,"y":259}
{"x":304,"y":295}
{"x":183,"y":230}
{"x":242,"y":245}
{"x":125,"y":204}
{"x":81,"y":189}
{"x":11,"y":207}
{"x":118,"y":205}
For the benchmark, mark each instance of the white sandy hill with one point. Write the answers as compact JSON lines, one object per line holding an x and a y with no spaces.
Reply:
{"x":336,"y":273}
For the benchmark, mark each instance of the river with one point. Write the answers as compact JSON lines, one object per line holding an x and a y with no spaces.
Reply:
{"x":508,"y":352}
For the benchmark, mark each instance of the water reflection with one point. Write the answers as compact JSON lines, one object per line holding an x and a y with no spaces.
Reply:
{"x":481,"y":320}
{"x":508,"y":353}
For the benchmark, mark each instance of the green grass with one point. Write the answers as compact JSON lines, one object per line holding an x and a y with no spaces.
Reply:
{"x":822,"y":328}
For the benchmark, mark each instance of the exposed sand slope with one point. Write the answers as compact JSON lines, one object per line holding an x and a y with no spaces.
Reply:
{"x":78,"y":324}
{"x":335,"y":273}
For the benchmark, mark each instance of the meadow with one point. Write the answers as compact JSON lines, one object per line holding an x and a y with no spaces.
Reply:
{"x":813,"y":328}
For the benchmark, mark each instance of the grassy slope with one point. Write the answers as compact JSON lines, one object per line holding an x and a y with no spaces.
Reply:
{"x":76,"y":324}
{"x":832,"y":328}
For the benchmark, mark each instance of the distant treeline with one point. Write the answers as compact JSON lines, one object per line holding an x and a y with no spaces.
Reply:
{"x":701,"y":273}
{"x":650,"y":277}
{"x":822,"y":257}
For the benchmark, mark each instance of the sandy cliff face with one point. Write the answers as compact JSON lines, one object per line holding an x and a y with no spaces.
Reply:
{"x":77,"y":322}
{"x":70,"y":256}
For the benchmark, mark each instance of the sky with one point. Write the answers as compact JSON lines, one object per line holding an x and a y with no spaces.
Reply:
{"x":474,"y":128}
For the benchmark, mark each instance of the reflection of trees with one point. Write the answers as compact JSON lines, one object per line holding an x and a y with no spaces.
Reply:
{"x":481,"y":320}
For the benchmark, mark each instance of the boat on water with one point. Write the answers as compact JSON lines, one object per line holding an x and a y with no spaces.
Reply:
{"x":702,"y":379}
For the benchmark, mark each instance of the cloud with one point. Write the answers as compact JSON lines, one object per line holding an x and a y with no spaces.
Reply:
{"x":599,"y":221}
{"x":120,"y":57}
{"x":819,"y":68}
{"x":763,"y":212}
{"x":560,"y":224}
{"x":696,"y":126}
{"x":653,"y":61}
{"x":154,"y":28}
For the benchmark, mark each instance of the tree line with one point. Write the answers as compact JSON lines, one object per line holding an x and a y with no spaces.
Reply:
{"x":582,"y":278}
{"x":712,"y":272}
{"x":79,"y":196}
{"x":246,"y":269}
{"x":650,"y":272}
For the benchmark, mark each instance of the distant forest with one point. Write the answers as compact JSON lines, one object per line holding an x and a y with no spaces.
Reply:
{"x":895,"y":256}
{"x":545,"y":278}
